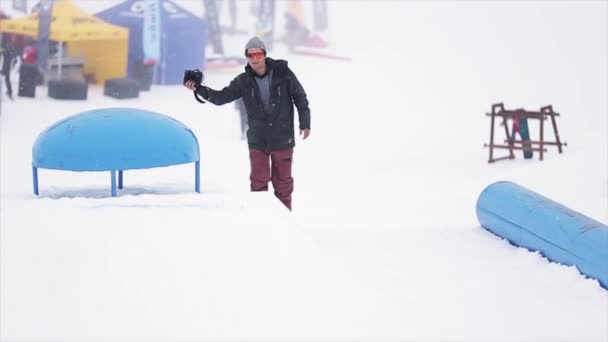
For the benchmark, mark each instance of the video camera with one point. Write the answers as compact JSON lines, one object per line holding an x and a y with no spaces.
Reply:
{"x":197,"y":77}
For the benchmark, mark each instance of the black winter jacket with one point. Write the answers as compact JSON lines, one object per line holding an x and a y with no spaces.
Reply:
{"x":272,"y":130}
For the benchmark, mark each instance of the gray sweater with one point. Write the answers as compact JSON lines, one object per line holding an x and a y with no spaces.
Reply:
{"x":264,"y":86}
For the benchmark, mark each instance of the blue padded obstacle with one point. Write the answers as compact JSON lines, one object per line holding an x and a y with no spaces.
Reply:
{"x":530,"y":220}
{"x":115,"y":139}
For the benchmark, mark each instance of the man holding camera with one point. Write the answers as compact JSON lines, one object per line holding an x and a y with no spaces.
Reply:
{"x":269,"y":90}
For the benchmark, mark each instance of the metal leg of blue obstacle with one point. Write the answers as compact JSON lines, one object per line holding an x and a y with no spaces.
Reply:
{"x":35,"y":176}
{"x":113,"y":172}
{"x":120,"y":179}
{"x":197,"y":176}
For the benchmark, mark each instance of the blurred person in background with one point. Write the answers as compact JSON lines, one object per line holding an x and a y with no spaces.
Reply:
{"x":240,"y":106}
{"x":30,"y":53}
{"x":30,"y":57}
{"x":18,"y":43}
{"x":297,"y":32}
{"x":8,"y":58}
{"x":269,"y":90}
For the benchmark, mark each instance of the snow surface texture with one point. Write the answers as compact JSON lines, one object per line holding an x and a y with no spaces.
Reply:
{"x":383,"y":242}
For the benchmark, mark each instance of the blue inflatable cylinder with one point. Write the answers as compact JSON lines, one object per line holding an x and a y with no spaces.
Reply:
{"x":530,"y":220}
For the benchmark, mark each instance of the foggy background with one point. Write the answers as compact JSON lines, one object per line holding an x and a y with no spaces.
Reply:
{"x":383,"y":242}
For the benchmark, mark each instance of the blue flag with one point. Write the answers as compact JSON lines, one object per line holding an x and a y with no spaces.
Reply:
{"x":45,"y":15}
{"x":152,"y":31}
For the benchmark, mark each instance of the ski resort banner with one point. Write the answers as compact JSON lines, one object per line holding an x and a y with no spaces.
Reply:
{"x":45,"y":16}
{"x":152,"y":28}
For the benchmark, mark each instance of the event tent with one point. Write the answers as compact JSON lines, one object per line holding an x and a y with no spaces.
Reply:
{"x":184,"y":36}
{"x":103,"y":46}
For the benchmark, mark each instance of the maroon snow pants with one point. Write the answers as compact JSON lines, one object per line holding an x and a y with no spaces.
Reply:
{"x":272,"y":166}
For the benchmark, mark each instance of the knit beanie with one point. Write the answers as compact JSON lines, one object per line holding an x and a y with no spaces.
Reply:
{"x":255,"y":42}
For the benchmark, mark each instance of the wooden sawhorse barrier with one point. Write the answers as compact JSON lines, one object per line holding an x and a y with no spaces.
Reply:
{"x":498,"y":110}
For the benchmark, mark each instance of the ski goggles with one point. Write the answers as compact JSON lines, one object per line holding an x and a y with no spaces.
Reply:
{"x":255,"y":55}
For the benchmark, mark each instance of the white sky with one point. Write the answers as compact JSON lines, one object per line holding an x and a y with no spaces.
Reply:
{"x":383,"y":242}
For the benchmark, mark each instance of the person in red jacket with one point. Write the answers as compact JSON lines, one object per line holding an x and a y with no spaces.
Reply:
{"x":30,"y":54}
